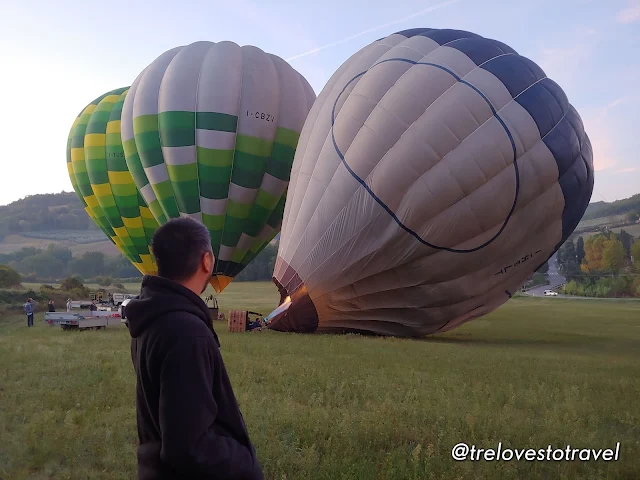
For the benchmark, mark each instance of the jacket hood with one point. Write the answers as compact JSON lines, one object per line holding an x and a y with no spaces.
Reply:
{"x":159,"y":296}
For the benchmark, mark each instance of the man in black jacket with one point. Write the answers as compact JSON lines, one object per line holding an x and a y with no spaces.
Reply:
{"x":189,"y":422}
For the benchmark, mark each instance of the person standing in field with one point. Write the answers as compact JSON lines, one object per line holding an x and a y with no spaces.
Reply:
{"x":189,"y":422}
{"x":52,"y":307}
{"x":29,"y":309}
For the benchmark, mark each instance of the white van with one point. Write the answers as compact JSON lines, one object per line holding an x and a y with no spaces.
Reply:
{"x":550,"y":293}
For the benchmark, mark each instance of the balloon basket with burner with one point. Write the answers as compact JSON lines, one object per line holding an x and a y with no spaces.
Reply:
{"x":241,"y":321}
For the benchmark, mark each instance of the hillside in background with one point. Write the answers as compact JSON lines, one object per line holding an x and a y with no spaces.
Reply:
{"x":59,"y":218}
{"x":37,"y":221}
{"x":50,"y":236}
{"x":607,"y":209}
{"x":44,"y":213}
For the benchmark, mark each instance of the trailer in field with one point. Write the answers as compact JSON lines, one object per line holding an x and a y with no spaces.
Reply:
{"x":119,"y":298}
{"x":81,"y":317}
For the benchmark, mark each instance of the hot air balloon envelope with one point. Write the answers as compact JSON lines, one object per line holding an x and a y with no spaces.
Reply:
{"x":101,"y":179}
{"x":435,"y":173}
{"x":210,"y":131}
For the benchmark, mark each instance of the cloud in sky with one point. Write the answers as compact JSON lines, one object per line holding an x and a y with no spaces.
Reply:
{"x":566,"y":58}
{"x":628,"y":170}
{"x":630,"y":14}
{"x":602,"y":130}
{"x":374,"y":29}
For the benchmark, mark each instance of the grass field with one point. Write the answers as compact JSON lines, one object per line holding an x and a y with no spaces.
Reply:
{"x":633,"y":230}
{"x":601,"y":221}
{"x":534,"y":373}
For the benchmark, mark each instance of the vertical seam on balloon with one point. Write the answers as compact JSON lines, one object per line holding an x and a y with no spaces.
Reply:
{"x":237,"y":269}
{"x":133,"y":90}
{"x":233,"y":162}
{"x":106,"y":225}
{"x":282,"y":244}
{"x":132,"y":250}
{"x":289,"y":246}
{"x":164,"y":162}
{"x":195,"y":134}
{"x":75,"y":178}
{"x":131,"y":93}
{"x":384,"y":206}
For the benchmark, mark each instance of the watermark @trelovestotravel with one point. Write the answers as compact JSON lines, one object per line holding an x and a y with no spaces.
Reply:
{"x":462,"y":452}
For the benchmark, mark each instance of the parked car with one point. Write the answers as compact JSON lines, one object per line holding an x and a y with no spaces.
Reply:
{"x":550,"y":293}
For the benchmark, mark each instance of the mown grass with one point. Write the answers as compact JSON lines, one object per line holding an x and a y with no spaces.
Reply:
{"x":534,"y":373}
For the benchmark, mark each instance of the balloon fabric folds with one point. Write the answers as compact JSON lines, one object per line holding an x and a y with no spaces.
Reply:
{"x":435,"y":173}
{"x":210,"y":131}
{"x":101,"y":179}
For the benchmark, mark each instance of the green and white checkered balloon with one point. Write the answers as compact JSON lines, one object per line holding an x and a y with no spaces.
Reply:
{"x":210,"y":131}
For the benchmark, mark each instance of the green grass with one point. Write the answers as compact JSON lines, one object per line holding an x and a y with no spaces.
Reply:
{"x":601,"y":221}
{"x":633,"y":230}
{"x":535,"y":372}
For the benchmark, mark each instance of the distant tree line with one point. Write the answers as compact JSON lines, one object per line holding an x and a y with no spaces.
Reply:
{"x":629,"y":205}
{"x":261,"y":267}
{"x":605,"y":265}
{"x":55,"y":262}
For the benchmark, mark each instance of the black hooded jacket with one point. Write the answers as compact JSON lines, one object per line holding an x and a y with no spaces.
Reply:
{"x":189,"y":422}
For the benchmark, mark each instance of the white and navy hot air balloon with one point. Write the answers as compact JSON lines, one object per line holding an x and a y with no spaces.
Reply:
{"x":435,"y":173}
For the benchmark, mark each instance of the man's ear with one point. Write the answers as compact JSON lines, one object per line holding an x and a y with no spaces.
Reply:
{"x":207,"y":262}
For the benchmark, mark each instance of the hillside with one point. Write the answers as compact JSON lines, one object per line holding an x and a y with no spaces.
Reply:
{"x":607,"y":209}
{"x":39,"y":220}
{"x":44,"y":213}
{"x":58,"y":218}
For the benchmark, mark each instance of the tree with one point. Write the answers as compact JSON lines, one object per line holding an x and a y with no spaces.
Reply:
{"x":120,"y":267}
{"x":633,"y":217}
{"x":261,"y":267}
{"x":593,"y":249}
{"x":544,"y":268}
{"x":70,"y":283}
{"x":613,"y":255}
{"x":91,"y":264}
{"x":568,"y":261}
{"x":603,"y":254}
{"x":626,"y":240}
{"x":635,"y":254}
{"x":580,"y":250}
{"x":44,"y":265}
{"x":61,"y":253}
{"x":9,"y":277}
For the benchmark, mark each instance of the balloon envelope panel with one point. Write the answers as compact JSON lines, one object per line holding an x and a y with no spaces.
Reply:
{"x":210,"y":131}
{"x":435,"y":173}
{"x":98,"y":170}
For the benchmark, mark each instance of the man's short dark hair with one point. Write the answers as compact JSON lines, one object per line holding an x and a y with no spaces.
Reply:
{"x":178,"y":246}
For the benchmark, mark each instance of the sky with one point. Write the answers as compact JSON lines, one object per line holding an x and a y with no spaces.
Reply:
{"x":59,"y":55}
